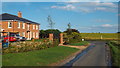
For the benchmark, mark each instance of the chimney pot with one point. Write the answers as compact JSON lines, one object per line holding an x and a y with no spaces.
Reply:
{"x":19,"y":14}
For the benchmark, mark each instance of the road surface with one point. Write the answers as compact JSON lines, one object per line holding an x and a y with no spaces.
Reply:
{"x":96,"y":56}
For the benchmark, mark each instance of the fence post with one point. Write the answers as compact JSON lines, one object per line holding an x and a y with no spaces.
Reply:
{"x":51,"y":37}
{"x":61,"y":39}
{"x":0,"y":45}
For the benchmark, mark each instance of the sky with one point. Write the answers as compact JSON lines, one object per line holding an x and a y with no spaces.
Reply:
{"x":60,"y":0}
{"x":86,"y":17}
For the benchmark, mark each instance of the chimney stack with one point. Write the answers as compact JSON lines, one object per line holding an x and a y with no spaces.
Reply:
{"x":19,"y":14}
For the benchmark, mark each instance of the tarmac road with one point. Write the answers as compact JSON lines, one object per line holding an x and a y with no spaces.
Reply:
{"x":96,"y":56}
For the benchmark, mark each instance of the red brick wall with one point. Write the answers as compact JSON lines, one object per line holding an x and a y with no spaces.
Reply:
{"x":20,"y":30}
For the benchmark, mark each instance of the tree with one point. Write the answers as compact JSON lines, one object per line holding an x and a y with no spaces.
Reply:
{"x":74,"y":37}
{"x":51,"y":23}
{"x":72,"y":30}
{"x":45,"y":33}
{"x":42,"y":34}
{"x":118,"y":32}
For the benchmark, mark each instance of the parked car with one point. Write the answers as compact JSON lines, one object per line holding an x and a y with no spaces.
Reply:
{"x":10,"y":38}
{"x":18,"y":37}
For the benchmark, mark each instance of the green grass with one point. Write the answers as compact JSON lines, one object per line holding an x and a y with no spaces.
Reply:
{"x":115,"y":48}
{"x":0,"y":60}
{"x":38,"y":57}
{"x":80,"y":43}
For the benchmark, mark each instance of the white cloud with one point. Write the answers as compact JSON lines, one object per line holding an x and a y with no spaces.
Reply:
{"x":93,"y":0}
{"x":60,"y":0}
{"x":101,"y":20}
{"x":67,"y":7}
{"x":103,"y":4}
{"x":88,"y":7}
{"x":100,"y":28}
{"x":106,"y":25}
{"x":118,"y":15}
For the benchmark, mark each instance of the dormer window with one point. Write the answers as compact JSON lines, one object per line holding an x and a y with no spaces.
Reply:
{"x":18,"y":24}
{"x":9,"y":24}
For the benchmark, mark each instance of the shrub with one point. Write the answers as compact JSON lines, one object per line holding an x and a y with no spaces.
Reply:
{"x":29,"y":46}
{"x":72,"y":38}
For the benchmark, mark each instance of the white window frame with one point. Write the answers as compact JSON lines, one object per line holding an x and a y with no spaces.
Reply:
{"x":37,"y":34}
{"x":37,"y":27}
{"x":33,"y":34}
{"x":33,"y":26}
{"x":9,"y":24}
{"x":23,"y":25}
{"x":28,"y":26}
{"x":18,"y":24}
{"x":23,"y":34}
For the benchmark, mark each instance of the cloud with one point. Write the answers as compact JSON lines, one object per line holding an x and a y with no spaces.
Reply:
{"x":60,"y":0}
{"x":101,"y":20}
{"x":100,"y":28}
{"x":67,"y":7}
{"x":118,"y":15}
{"x":88,"y":7}
{"x":106,"y":25}
{"x":93,"y":0}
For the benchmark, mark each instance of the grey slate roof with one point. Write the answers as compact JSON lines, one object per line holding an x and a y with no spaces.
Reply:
{"x":6,"y":16}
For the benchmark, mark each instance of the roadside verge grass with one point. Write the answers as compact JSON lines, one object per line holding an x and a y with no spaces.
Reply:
{"x":115,"y":51}
{"x":38,"y":57}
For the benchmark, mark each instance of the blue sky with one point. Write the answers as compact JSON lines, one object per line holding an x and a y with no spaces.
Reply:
{"x":60,"y":0}
{"x":84,"y":16}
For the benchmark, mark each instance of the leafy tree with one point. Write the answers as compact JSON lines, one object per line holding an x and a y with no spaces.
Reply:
{"x":72,"y":30}
{"x":42,"y":34}
{"x":45,"y":33}
{"x":71,"y":35}
{"x":74,"y":37}
{"x":118,"y":32}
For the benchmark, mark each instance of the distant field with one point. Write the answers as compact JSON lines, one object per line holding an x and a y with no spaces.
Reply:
{"x":99,"y":35}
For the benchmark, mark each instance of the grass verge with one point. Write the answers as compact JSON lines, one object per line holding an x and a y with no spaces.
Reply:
{"x":115,"y":51}
{"x":38,"y":57}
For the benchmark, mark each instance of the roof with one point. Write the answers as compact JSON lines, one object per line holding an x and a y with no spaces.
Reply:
{"x":6,"y":16}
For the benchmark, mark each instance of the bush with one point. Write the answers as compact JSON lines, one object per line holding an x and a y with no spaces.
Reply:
{"x":72,"y":38}
{"x":29,"y":46}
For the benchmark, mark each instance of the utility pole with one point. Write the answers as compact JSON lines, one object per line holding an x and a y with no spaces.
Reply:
{"x":51,"y":23}
{"x":69,"y":25}
{"x":101,"y":37}
{"x":69,"y":28}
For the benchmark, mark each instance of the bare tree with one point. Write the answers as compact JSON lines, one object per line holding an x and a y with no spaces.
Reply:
{"x":51,"y":23}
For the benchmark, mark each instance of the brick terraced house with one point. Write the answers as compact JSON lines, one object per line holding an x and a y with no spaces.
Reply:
{"x":18,"y":25}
